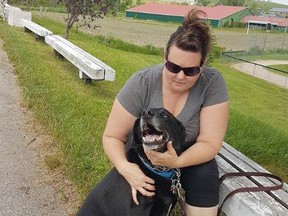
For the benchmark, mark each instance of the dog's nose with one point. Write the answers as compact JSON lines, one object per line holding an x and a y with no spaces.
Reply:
{"x":147,"y":113}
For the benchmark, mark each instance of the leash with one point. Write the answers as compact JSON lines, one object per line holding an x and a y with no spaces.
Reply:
{"x":175,"y":188}
{"x":172,"y":174}
{"x":250,"y":189}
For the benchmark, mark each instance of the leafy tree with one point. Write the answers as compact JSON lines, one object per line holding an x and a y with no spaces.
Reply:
{"x":253,"y":6}
{"x":86,"y":10}
{"x":232,"y":2}
{"x":203,"y":2}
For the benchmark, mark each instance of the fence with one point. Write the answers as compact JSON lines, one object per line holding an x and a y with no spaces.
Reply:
{"x":258,"y":68}
{"x":268,"y":41}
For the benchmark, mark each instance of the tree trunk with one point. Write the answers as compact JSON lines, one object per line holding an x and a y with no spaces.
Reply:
{"x":67,"y":31}
{"x":69,"y":25}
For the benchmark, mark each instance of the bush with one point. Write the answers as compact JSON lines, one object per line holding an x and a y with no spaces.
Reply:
{"x":254,"y":51}
{"x":234,"y":24}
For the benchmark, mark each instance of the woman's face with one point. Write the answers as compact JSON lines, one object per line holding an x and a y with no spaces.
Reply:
{"x":185,"y":59}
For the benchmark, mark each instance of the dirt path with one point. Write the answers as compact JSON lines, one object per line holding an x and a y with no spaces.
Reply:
{"x":24,"y":185}
{"x":263,"y":73}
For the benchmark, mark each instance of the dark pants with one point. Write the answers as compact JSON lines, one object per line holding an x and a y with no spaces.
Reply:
{"x":201,"y":184}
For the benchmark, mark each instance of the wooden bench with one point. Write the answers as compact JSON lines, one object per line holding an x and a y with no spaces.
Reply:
{"x":12,"y":15}
{"x":90,"y":68}
{"x":40,"y":32}
{"x":2,"y":7}
{"x":249,"y":203}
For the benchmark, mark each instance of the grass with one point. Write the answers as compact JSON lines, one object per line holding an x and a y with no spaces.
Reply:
{"x":76,"y":114}
{"x":282,"y":68}
{"x":276,"y":54}
{"x":258,"y":119}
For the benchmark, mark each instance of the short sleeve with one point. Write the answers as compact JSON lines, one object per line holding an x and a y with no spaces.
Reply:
{"x":216,"y":92}
{"x":133,"y":93}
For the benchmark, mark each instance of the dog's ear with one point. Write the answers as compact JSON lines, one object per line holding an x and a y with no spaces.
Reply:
{"x":179,"y":143}
{"x":137,"y":136}
{"x":134,"y":143}
{"x":137,"y":139}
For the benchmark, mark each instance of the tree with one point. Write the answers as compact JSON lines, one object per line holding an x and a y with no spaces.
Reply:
{"x":203,"y":2}
{"x":86,"y":10}
{"x":232,"y":2}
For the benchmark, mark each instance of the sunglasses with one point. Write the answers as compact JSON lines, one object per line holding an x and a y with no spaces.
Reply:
{"x":188,"y":71}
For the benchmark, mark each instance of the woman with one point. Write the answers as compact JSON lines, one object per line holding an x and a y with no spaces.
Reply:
{"x":192,"y":92}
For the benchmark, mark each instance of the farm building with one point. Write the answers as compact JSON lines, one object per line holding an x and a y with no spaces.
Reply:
{"x":191,"y":2}
{"x":217,"y":15}
{"x":283,"y":12}
{"x":267,"y":23}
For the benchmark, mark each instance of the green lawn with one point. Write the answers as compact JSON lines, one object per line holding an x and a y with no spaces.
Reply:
{"x":283,"y":69}
{"x":258,"y":119}
{"x":76,"y":114}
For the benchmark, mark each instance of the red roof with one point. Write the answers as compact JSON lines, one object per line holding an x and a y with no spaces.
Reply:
{"x":267,"y":19}
{"x":217,"y":12}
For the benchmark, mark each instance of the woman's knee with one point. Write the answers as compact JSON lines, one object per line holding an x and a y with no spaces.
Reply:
{"x":203,"y":211}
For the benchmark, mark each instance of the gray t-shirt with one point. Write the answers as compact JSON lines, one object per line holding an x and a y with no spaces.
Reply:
{"x":144,"y":90}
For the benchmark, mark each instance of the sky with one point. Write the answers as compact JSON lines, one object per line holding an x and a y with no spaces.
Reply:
{"x":280,"y":1}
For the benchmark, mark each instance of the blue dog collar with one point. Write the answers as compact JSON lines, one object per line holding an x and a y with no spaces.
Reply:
{"x":168,"y":174}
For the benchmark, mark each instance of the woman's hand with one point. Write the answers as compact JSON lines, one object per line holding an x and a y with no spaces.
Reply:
{"x":168,"y":159}
{"x":138,"y":181}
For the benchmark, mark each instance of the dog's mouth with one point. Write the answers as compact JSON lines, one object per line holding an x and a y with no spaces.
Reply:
{"x":153,"y":138}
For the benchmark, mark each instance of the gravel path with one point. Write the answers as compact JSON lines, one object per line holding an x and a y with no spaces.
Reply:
{"x":263,"y":73}
{"x":23,"y":189}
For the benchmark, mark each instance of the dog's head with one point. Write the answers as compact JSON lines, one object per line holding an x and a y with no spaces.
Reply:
{"x":155,"y":128}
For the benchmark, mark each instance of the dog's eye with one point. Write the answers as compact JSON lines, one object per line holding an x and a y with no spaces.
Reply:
{"x":164,"y":115}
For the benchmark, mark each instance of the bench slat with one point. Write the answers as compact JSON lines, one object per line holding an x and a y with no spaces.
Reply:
{"x":108,"y":69}
{"x":247,"y":165}
{"x":81,"y":59}
{"x":248,"y":204}
{"x":34,"y":27}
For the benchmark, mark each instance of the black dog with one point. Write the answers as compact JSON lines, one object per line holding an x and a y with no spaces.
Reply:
{"x":112,"y":196}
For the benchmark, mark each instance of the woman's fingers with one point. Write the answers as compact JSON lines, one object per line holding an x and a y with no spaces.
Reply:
{"x":138,"y":181}
{"x":149,"y":187}
{"x":134,"y":196}
{"x":167,"y":159}
{"x":149,"y":181}
{"x":146,"y":190}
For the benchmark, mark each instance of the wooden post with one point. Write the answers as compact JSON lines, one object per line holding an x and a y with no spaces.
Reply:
{"x":248,"y":27}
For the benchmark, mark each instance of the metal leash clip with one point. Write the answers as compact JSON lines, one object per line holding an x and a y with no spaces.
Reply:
{"x":175,"y":184}
{"x":175,"y":188}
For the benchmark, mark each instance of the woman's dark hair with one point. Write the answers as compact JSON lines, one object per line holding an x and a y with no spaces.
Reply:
{"x":193,"y":35}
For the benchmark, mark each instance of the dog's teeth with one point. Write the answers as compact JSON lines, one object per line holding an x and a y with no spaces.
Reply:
{"x":152,"y":138}
{"x":152,"y":147}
